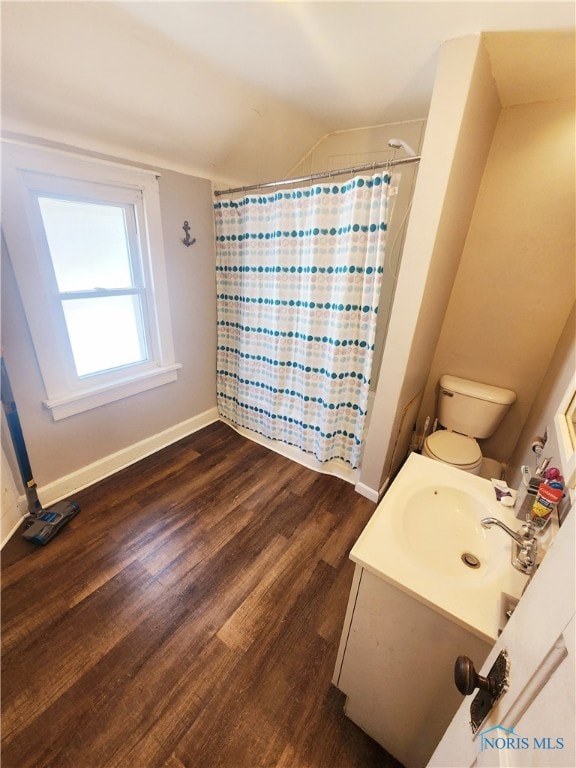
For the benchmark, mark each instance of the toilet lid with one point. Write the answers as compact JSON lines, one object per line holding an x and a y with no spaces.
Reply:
{"x":453,"y":448}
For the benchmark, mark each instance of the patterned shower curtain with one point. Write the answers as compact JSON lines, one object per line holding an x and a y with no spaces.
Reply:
{"x":298,"y":281}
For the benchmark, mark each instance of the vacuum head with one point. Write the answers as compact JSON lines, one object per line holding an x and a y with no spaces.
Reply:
{"x":43,"y":524}
{"x":45,"y":527}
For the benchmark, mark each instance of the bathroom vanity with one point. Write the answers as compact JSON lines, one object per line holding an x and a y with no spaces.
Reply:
{"x":430,"y":584}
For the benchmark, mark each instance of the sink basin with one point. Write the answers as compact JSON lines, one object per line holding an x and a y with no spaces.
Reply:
{"x":440,"y":527}
{"x":425,"y":538}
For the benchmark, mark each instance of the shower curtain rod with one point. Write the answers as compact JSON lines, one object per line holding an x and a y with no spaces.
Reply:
{"x":323,"y":175}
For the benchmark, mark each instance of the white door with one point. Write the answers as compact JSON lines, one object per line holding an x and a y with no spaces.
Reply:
{"x":533,"y":723}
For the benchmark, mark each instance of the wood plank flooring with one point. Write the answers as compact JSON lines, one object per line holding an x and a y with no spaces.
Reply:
{"x":188,"y":617}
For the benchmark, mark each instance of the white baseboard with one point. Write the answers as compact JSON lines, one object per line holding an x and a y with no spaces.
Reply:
{"x":85,"y":476}
{"x":371,"y":493}
{"x":367,"y":492}
{"x":22,"y":511}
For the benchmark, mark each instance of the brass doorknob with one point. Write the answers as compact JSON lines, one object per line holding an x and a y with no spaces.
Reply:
{"x":467,"y":679}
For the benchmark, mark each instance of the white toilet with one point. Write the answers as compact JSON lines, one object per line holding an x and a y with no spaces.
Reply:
{"x":467,"y":410}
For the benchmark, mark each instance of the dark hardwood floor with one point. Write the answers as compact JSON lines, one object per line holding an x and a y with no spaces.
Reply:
{"x":188,"y":616}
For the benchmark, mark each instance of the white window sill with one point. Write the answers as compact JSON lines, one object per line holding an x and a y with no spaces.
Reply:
{"x":86,"y":399}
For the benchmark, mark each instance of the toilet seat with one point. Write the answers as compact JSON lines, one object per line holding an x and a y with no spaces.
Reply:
{"x":455,"y":449}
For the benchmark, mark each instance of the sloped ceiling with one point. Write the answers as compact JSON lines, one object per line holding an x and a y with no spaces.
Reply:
{"x":239,"y":91}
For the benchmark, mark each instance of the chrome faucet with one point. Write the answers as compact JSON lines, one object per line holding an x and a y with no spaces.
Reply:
{"x":526,"y":548}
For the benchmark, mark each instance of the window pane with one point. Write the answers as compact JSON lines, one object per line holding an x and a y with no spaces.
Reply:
{"x":88,"y":244}
{"x":105,"y":332}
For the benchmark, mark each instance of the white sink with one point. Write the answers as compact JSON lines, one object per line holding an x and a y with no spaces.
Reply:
{"x":425,"y":538}
{"x":440,"y":528}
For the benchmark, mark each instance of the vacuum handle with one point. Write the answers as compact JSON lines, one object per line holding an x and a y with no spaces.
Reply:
{"x":15,"y":428}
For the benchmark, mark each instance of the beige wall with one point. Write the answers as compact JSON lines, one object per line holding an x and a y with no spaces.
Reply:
{"x":11,"y":509}
{"x":558,"y":385}
{"x":515,"y":283}
{"x":58,"y":449}
{"x":461,"y":122}
{"x":502,"y":306}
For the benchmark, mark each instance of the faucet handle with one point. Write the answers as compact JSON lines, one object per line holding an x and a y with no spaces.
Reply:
{"x":524,"y":555}
{"x":528,"y":529}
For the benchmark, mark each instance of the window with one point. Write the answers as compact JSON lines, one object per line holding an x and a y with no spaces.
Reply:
{"x":85,"y":242}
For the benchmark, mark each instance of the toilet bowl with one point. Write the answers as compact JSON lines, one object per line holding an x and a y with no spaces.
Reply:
{"x":467,"y":410}
{"x":455,"y":449}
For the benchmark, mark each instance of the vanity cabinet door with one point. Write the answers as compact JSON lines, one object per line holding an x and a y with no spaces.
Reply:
{"x":533,"y":722}
{"x":396,"y":666}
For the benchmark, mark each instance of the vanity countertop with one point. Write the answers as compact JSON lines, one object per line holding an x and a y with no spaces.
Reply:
{"x":428,"y":518}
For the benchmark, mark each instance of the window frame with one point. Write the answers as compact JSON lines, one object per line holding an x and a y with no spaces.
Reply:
{"x":33,"y":172}
{"x":39,"y":186}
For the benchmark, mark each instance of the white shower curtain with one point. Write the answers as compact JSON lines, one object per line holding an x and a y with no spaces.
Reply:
{"x":298,"y":281}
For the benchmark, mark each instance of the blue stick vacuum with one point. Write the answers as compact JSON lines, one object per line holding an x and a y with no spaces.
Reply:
{"x":43,"y":524}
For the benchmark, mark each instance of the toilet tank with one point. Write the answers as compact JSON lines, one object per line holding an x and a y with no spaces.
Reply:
{"x":472,"y":408}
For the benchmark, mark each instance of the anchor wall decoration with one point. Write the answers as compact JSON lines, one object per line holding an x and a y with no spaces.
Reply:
{"x":187,"y":239}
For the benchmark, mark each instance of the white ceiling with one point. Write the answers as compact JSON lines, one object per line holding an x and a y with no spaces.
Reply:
{"x":239,"y":91}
